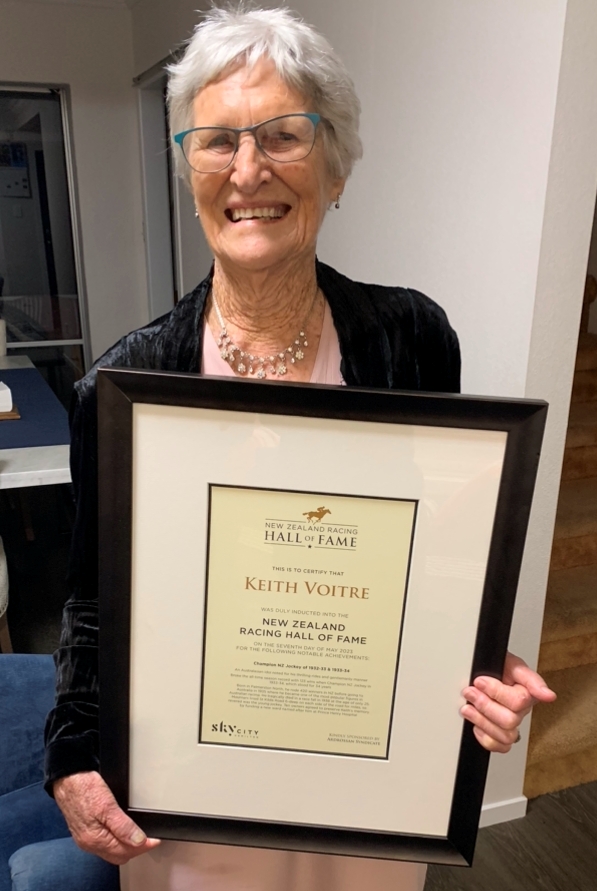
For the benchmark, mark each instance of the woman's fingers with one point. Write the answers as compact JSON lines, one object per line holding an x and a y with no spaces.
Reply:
{"x":500,"y":736}
{"x":491,"y":743}
{"x":496,"y":708}
{"x":109,"y":848}
{"x":503,"y":705}
{"x":496,"y":713}
{"x":97,"y":823}
{"x":493,"y":711}
{"x":100,"y":841}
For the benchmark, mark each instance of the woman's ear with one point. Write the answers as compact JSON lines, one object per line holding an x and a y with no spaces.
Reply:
{"x":335,"y":192}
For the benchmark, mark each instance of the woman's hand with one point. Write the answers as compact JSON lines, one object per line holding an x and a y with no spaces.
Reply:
{"x":496,"y":708}
{"x":96,"y":822}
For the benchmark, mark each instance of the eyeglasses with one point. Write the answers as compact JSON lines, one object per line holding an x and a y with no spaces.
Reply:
{"x":289,"y":137}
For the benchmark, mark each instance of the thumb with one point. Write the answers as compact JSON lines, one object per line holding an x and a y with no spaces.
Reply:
{"x":534,"y":683}
{"x":122,"y":827}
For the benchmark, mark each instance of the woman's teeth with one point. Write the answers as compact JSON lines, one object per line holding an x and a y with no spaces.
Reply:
{"x":250,"y":213}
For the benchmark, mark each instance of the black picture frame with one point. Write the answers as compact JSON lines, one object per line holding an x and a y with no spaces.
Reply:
{"x":119,"y":390}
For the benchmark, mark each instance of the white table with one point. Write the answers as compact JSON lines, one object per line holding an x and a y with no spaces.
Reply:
{"x":35,"y":466}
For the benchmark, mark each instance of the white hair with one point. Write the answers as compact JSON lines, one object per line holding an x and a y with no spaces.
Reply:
{"x":237,"y":35}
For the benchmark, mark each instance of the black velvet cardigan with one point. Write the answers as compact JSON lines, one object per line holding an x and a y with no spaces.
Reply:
{"x":391,"y":338}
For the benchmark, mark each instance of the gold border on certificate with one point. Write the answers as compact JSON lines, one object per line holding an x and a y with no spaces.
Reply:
{"x":305,"y":595}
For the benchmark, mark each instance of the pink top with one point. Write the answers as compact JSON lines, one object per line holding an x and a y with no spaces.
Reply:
{"x":327,"y":362}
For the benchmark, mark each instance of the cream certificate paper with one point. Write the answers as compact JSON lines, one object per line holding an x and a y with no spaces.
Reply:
{"x":304,"y":602}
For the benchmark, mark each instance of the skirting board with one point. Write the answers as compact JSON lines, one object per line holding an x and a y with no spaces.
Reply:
{"x":503,"y":811}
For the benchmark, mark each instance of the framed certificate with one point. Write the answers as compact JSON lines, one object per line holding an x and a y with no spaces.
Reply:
{"x":296,"y":583}
{"x":287,"y":644}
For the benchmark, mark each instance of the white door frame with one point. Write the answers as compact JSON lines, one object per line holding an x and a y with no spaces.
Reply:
{"x":156,"y":194}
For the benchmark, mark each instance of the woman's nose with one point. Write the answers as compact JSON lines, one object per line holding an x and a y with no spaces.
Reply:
{"x":250,"y":166}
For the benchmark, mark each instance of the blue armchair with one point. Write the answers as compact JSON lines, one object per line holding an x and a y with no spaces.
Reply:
{"x":36,"y":850}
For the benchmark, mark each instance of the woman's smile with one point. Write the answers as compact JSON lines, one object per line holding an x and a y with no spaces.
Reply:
{"x":262,"y":213}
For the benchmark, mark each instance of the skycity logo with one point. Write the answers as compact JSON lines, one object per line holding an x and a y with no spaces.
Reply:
{"x":233,"y":730}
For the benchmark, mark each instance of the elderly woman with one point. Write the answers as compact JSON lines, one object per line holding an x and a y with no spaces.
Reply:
{"x":265,"y":123}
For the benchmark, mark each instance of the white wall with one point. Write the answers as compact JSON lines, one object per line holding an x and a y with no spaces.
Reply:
{"x":479,"y":193}
{"x":90,"y":49}
{"x":159,"y":27}
{"x":450,"y":200}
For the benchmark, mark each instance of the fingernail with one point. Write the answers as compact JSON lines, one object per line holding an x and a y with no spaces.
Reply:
{"x":545,"y":687}
{"x":138,"y":837}
{"x":481,"y":684}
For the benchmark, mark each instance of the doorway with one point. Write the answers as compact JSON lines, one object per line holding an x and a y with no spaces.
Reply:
{"x":177,"y":254}
{"x":40,"y":270}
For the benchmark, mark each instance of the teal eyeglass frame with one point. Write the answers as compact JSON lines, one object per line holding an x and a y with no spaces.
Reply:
{"x":315,"y":119}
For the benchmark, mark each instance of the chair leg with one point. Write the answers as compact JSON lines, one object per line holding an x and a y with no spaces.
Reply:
{"x":5,"y":643}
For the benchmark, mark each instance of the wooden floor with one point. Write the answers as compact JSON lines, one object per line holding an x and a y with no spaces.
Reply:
{"x":553,"y":848}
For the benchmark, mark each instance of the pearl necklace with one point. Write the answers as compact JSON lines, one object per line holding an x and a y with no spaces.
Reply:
{"x":243,"y":362}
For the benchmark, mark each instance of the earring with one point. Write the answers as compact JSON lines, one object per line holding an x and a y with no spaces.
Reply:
{"x":337,"y":204}
{"x":196,"y":214}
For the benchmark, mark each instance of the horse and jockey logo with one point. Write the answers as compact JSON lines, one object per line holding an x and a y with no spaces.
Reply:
{"x":316,"y":516}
